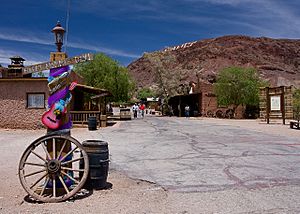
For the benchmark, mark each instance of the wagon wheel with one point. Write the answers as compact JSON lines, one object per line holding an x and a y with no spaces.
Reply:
{"x":219,"y":114}
{"x":209,"y":113}
{"x":53,"y":168}
{"x":229,"y":114}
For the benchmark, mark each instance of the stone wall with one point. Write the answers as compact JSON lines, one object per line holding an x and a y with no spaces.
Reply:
{"x":210,"y":107}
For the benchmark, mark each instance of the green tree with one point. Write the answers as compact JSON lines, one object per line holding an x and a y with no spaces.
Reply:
{"x":296,"y":104}
{"x":143,"y":93}
{"x":104,"y":72}
{"x":237,"y":86}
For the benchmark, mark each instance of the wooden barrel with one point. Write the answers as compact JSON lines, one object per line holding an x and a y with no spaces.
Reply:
{"x":92,"y":123}
{"x":98,"y":154}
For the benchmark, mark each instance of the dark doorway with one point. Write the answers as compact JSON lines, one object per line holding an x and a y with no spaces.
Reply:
{"x":177,"y":103}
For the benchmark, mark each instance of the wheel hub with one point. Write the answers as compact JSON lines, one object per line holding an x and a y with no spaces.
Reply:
{"x":53,"y":166}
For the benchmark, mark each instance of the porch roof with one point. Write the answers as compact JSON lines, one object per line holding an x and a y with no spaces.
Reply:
{"x":93,"y":90}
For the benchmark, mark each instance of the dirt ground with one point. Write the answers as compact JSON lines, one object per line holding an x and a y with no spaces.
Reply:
{"x":125,"y":196}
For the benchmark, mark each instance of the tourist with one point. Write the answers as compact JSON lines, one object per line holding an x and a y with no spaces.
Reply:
{"x":142,"y":109}
{"x":135,"y":110}
{"x":187,"y":111}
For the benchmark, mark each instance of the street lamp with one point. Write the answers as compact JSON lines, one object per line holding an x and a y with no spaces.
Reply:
{"x":58,"y":31}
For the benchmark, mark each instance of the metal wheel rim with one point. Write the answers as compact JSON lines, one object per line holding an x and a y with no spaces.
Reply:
{"x":53,"y":169}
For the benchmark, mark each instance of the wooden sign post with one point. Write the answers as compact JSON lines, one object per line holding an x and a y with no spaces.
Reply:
{"x":274,"y":104}
{"x":56,"y":64}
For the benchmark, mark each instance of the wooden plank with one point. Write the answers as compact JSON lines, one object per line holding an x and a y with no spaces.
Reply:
{"x":56,"y":64}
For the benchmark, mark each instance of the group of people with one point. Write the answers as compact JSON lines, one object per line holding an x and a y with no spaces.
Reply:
{"x":138,"y":109}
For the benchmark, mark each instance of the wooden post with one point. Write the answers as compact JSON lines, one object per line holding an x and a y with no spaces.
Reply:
{"x":105,"y":103}
{"x":268,"y":104}
{"x":282,"y":104}
{"x":179,"y":106}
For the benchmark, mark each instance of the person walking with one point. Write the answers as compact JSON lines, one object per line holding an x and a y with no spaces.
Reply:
{"x":135,"y":110}
{"x":142,"y":109}
{"x":187,"y":111}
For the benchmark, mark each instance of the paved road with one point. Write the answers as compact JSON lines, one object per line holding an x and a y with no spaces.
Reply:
{"x":189,"y":155}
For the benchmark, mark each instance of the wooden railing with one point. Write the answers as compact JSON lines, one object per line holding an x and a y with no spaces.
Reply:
{"x":81,"y":117}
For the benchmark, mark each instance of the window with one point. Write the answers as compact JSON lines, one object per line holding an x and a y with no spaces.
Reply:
{"x":36,"y":100}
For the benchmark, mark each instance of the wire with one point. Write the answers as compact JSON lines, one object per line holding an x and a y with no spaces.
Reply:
{"x":67,"y":24}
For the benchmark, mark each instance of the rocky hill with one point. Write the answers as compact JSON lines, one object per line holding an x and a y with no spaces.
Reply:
{"x":276,"y":60}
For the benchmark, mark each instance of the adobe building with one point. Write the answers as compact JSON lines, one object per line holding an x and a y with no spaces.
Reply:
{"x":23,"y":99}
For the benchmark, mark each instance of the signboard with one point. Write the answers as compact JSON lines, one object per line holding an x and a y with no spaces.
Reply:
{"x":275,"y":103}
{"x":56,"y":64}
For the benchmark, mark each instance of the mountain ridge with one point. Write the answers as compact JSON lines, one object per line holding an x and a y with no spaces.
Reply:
{"x":276,"y":60}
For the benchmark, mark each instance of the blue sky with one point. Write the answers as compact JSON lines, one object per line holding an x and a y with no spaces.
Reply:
{"x":126,"y":29}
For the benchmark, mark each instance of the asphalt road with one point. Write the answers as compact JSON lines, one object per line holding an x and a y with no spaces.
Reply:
{"x":227,"y":167}
{"x":189,"y":155}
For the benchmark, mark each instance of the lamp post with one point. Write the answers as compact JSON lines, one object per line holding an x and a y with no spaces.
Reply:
{"x":59,"y":32}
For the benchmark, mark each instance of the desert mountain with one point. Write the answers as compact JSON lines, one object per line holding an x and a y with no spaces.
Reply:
{"x":276,"y":60}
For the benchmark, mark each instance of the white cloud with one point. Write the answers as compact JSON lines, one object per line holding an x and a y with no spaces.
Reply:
{"x":24,"y":37}
{"x":98,"y":48}
{"x":6,"y":54}
{"x":43,"y":40}
{"x":269,"y":18}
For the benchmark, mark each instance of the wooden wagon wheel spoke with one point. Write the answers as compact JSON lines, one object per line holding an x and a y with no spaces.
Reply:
{"x":70,"y":169}
{"x":54,"y":187}
{"x":62,"y":148}
{"x":40,"y":157}
{"x":64,"y":184}
{"x":41,"y":178}
{"x":34,"y":173}
{"x":34,"y":164}
{"x":56,"y":181}
{"x":53,"y":149}
{"x":44,"y":186}
{"x":71,"y":161}
{"x":73,"y":179}
{"x":70,"y":152}
{"x":46,"y":151}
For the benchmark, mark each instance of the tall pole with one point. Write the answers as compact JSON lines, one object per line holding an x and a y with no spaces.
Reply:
{"x":67,"y":23}
{"x":268,"y":106}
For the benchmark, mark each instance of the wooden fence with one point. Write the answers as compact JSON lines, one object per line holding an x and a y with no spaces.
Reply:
{"x":81,"y":117}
